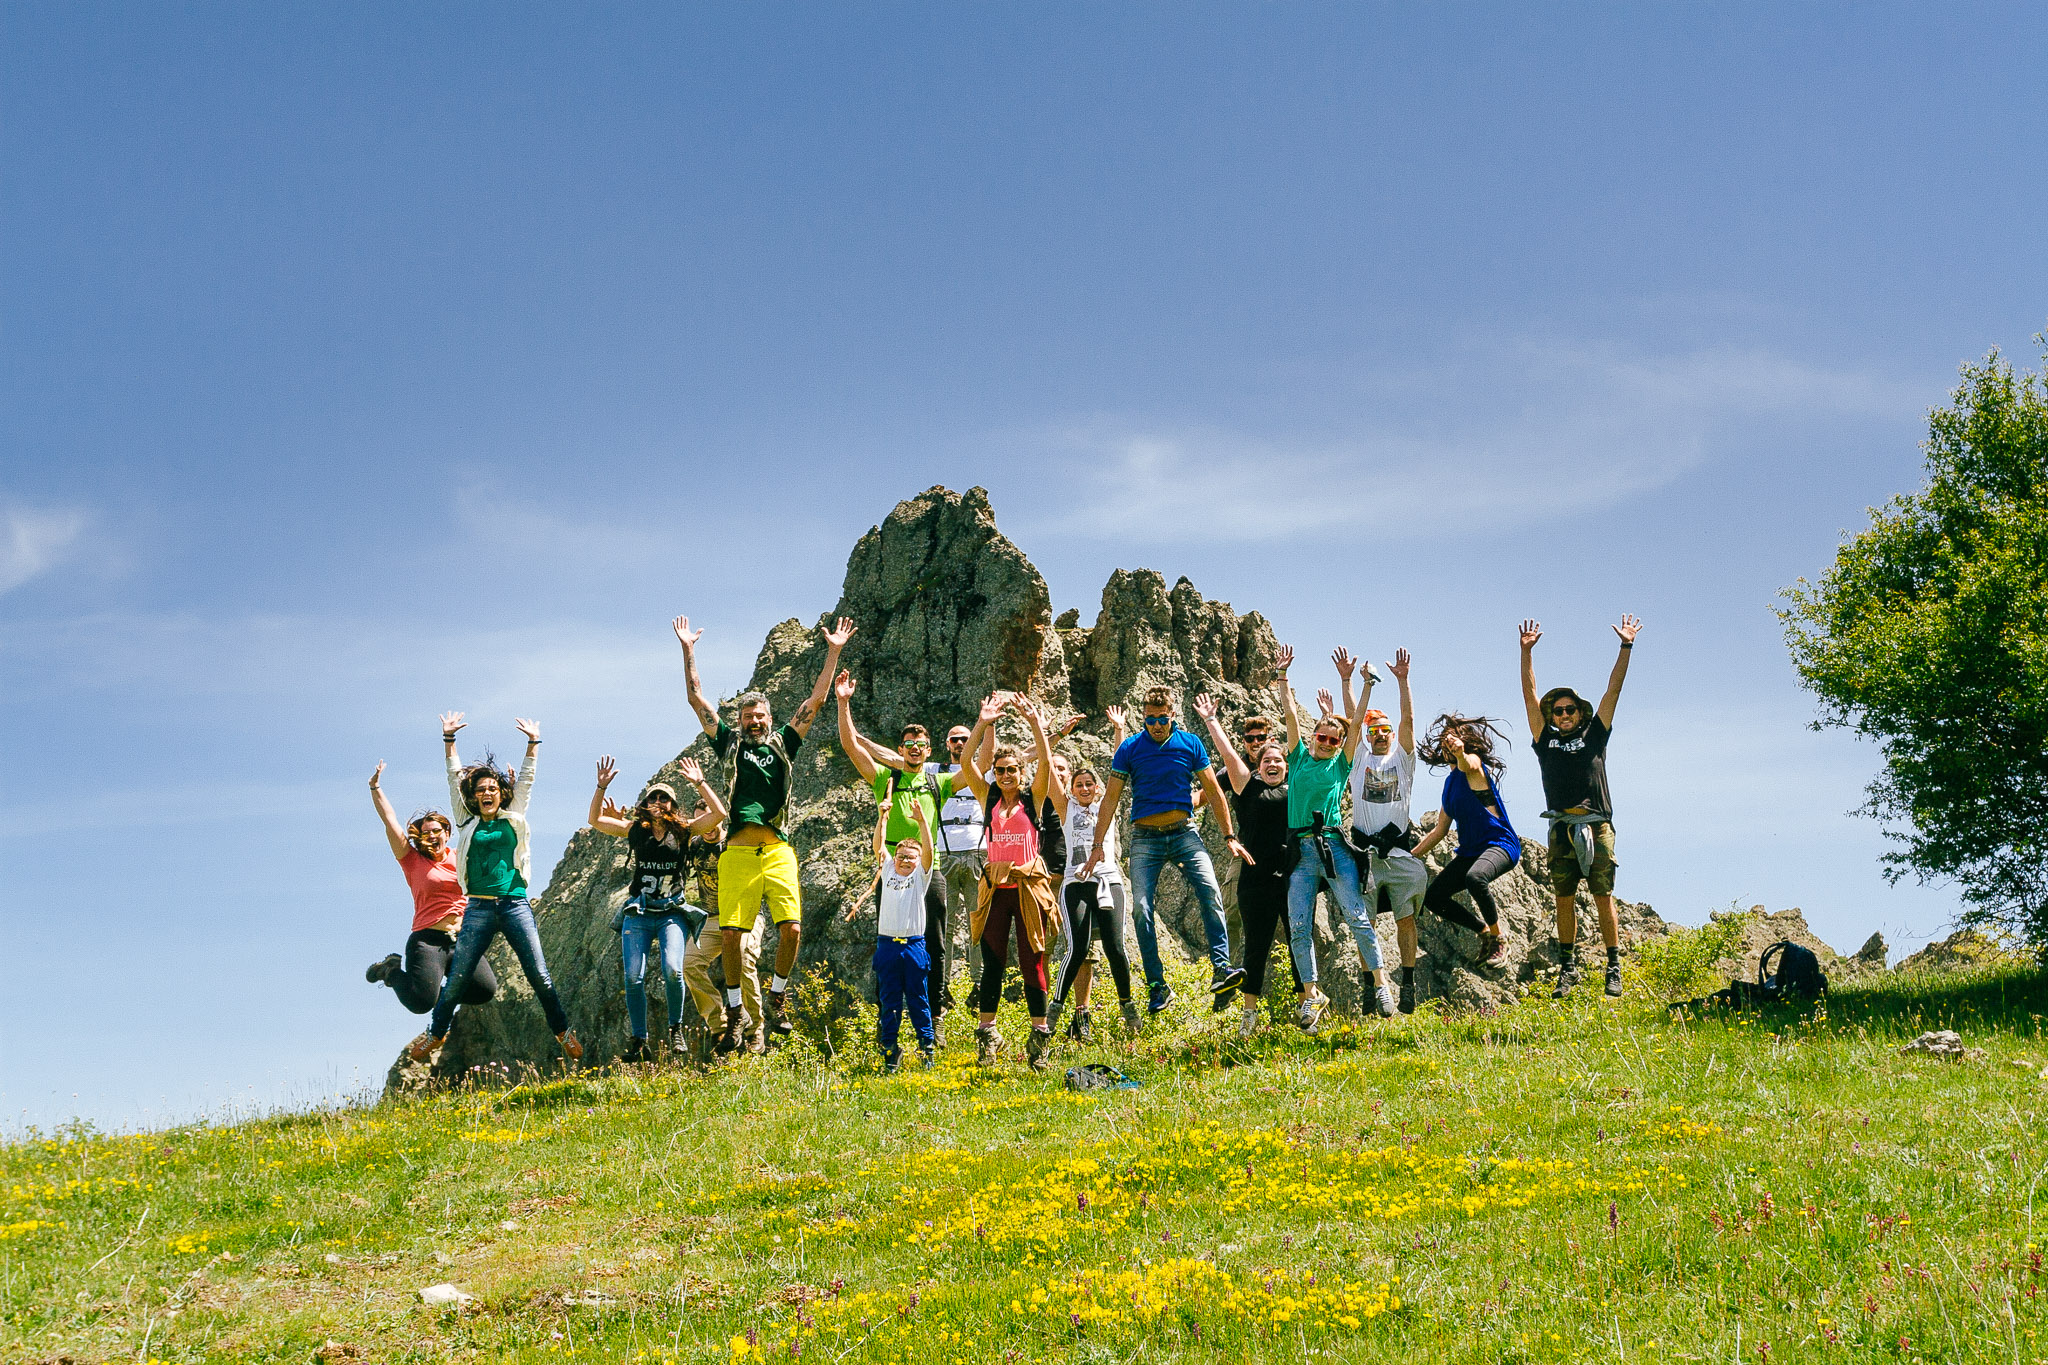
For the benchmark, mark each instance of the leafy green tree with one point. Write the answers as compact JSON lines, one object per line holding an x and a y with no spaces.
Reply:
{"x":1929,"y":635}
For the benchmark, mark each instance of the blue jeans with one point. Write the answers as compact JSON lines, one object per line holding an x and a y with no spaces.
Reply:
{"x":903,"y":970}
{"x":1152,"y":849}
{"x":484,"y":919}
{"x":1341,"y":882}
{"x":636,"y":933}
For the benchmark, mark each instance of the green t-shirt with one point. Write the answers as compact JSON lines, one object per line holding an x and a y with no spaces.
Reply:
{"x":927,"y":789}
{"x":762,"y":788}
{"x":1315,"y":785}
{"x":493,"y":870}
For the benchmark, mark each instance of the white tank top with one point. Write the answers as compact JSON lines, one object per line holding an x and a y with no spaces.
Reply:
{"x":960,"y":819}
{"x":1080,"y":826}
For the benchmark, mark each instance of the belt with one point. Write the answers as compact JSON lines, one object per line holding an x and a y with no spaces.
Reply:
{"x":891,"y":938}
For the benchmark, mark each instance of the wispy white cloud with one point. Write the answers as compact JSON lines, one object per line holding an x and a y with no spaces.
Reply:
{"x":35,"y":540}
{"x":1510,"y":435}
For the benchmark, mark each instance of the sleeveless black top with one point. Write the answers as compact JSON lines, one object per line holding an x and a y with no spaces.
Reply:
{"x":1262,"y":825}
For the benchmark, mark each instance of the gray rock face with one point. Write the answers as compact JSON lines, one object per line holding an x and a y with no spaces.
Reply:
{"x":1766,"y":928}
{"x":948,"y":611}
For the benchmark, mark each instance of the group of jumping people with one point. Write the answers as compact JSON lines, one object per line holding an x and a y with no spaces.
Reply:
{"x":1026,"y":845}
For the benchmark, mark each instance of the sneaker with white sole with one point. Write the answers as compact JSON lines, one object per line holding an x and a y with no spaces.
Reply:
{"x":1248,"y":1022}
{"x":391,"y":964}
{"x":423,"y":1047}
{"x":1311,"y":1013}
{"x":1388,"y":1006}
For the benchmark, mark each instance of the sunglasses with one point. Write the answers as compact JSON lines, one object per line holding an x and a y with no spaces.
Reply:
{"x":1006,"y":768}
{"x":1379,"y":729}
{"x":1329,"y":741}
{"x":660,"y":800}
{"x":1565,"y":710}
{"x":1159,"y":720}
{"x":915,"y":744}
{"x":956,"y":739}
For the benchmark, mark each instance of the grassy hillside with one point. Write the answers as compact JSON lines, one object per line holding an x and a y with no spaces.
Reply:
{"x":1557,"y":1182}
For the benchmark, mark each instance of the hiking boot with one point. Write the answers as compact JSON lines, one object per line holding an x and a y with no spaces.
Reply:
{"x":757,"y":1041}
{"x":681,"y":1042}
{"x":636,"y":1050}
{"x":778,"y":1022}
{"x":1614,"y":978}
{"x":1407,"y":1001}
{"x":926,"y":1059}
{"x":1160,"y":998}
{"x":1567,"y":977}
{"x":390,"y":965}
{"x":1311,"y":1012}
{"x":1037,"y":1047}
{"x":1052,"y":1015}
{"x":892,"y":1062}
{"x":423,"y":1047}
{"x":1082,"y":1030}
{"x":1388,"y":1008}
{"x":1248,"y":1021}
{"x":988,"y":1045}
{"x":571,"y":1047}
{"x":1493,"y":948}
{"x":1132,"y":1022}
{"x":730,"y":1037}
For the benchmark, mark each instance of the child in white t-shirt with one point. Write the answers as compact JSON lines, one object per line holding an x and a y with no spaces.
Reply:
{"x":902,"y":963}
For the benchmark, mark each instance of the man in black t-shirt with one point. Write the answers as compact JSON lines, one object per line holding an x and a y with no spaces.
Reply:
{"x":1570,"y":738}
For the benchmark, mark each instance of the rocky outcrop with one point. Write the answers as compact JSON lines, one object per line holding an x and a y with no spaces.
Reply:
{"x":1962,"y":950}
{"x":1761,"y":928}
{"x":948,"y":611}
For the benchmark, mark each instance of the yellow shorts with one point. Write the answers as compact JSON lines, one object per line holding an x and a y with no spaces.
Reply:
{"x":749,"y":872}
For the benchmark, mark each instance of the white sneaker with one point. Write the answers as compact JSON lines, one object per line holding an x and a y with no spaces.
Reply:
{"x":1311,"y":1012}
{"x":1389,"y":1007}
{"x":1247,"y":1022}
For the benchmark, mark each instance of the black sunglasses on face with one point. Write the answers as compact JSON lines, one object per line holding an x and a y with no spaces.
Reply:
{"x":1565,"y":710}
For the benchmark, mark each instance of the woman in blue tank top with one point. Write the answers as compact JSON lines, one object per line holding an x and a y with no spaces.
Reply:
{"x":1487,"y":844}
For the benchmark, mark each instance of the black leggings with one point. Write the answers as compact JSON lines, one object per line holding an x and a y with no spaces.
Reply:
{"x":1469,"y":875}
{"x":995,"y":956}
{"x":427,"y":955}
{"x":1262,"y":901}
{"x":1089,"y":920}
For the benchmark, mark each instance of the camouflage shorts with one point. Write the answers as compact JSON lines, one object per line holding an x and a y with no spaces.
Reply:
{"x":1565,"y":871}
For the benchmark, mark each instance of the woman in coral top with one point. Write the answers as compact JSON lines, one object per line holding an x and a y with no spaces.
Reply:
{"x":428,"y":862}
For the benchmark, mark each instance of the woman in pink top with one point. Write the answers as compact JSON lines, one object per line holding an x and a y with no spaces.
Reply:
{"x":1016,"y":888}
{"x":428,"y":862}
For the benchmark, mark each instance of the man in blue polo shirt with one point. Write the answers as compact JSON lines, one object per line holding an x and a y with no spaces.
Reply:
{"x":1160,"y":764}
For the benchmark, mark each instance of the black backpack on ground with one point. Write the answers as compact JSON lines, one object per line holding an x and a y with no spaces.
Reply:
{"x":1785,"y":972}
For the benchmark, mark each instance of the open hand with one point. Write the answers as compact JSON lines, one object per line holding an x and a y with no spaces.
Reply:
{"x":841,"y":633}
{"x":686,"y":637}
{"x":1532,"y":631}
{"x":606,"y":771}
{"x":1205,"y":706}
{"x":451,"y":721}
{"x":691,"y":772}
{"x":1326,"y":702}
{"x":1119,"y":717}
{"x":842,"y":685}
{"x":612,"y":810}
{"x":1628,"y":628}
{"x":1399,"y":667}
{"x":991,"y":707}
{"x":1283,"y":659}
{"x":1341,"y":657}
{"x":1233,"y":844}
{"x":531,"y":729}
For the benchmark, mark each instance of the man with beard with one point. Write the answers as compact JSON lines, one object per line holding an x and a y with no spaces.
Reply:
{"x":758,"y":862}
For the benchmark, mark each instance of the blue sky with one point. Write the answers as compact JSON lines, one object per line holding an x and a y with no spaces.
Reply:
{"x":359,"y":362}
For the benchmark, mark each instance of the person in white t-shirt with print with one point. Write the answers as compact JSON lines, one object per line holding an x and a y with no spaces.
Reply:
{"x":903,"y":963}
{"x":1382,"y":780}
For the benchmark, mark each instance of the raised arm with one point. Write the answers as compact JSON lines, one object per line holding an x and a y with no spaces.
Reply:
{"x":835,"y":640}
{"x":601,"y":818}
{"x":849,"y":734}
{"x":1399,"y":668}
{"x":393,"y":831}
{"x":1341,"y":657}
{"x":710,"y":805}
{"x":1532,"y":631}
{"x":1285,"y":659}
{"x":1120,"y":722}
{"x":1627,"y":631}
{"x":707,"y":714}
{"x":1041,"y":784}
{"x":991,"y":707}
{"x":1356,"y":729}
{"x":924,"y":834}
{"x":1233,"y":762}
{"x":522,"y":790}
{"x":451,"y":722}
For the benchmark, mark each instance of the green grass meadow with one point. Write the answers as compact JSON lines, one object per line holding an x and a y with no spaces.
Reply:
{"x":1586,"y":1180}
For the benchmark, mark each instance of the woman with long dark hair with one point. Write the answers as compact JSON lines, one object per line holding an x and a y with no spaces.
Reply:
{"x":1487,"y":843}
{"x":1264,"y":853}
{"x":424,"y":855}
{"x":656,"y":913}
{"x":494,"y":850}
{"x":1016,"y":889}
